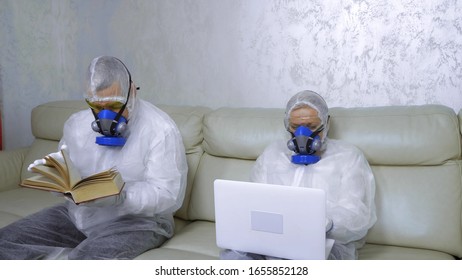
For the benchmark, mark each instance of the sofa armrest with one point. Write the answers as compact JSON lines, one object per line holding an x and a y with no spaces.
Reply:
{"x":11,"y":163}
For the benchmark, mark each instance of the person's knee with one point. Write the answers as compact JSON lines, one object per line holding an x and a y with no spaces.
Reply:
{"x":125,"y":245}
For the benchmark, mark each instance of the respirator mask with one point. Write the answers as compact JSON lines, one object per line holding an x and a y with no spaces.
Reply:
{"x":112,"y":125}
{"x":305,"y":143}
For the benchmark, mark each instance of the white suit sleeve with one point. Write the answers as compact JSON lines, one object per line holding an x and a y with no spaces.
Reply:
{"x":163,"y":187}
{"x":353,"y":211}
{"x":258,"y":172}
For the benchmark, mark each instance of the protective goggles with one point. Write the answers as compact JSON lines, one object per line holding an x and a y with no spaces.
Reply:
{"x":108,"y":105}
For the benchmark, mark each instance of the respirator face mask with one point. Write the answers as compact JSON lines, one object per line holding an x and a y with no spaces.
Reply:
{"x":305,"y":143}
{"x":112,"y":125}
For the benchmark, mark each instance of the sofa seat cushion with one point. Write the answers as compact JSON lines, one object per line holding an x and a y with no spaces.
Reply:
{"x":384,"y":252}
{"x":173,"y":254}
{"x":7,"y":218}
{"x":21,"y":202}
{"x":194,"y":241}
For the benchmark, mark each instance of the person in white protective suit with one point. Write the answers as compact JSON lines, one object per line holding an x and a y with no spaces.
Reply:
{"x":147,"y":150}
{"x":337,"y":167}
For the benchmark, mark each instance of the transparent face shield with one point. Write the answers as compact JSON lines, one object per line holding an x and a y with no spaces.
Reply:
{"x":107,"y":101}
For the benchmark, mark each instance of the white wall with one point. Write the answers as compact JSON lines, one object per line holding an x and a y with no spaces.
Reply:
{"x":253,"y":53}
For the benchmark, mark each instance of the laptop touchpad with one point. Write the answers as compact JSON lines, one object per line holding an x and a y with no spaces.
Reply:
{"x":267,"y":222}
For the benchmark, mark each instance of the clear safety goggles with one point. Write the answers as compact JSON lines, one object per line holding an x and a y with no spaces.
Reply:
{"x":108,"y":105}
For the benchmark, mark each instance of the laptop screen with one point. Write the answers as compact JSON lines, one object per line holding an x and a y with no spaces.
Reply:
{"x":273,"y":220}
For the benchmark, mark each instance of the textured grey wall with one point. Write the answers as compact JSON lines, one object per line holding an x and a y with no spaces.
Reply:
{"x":253,"y":53}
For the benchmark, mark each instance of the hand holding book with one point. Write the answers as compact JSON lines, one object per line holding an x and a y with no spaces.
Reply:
{"x":54,"y":174}
{"x":106,"y":201}
{"x":57,"y":156}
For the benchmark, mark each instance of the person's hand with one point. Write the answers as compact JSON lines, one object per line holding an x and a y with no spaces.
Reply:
{"x":57,"y":155}
{"x":59,"y":194}
{"x":329,"y":225}
{"x":105,"y":201}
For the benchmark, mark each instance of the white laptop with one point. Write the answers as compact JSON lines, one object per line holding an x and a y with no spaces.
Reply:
{"x":272,"y":220}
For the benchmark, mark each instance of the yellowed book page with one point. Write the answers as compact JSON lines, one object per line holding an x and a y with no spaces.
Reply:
{"x":73,"y":174}
{"x":101,"y":176}
{"x":51,"y":173}
{"x":43,"y":183}
{"x":88,"y":192}
{"x":114,"y":176}
{"x":60,"y":166}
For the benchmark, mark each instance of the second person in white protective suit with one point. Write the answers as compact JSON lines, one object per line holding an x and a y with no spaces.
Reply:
{"x":337,"y":167}
{"x":147,"y":150}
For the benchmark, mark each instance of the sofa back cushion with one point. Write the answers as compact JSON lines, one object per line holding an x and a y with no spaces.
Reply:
{"x":242,"y":132}
{"x":189,"y":121}
{"x":415,"y":156}
{"x":414,"y":153}
{"x":400,"y":135}
{"x":233,"y":139}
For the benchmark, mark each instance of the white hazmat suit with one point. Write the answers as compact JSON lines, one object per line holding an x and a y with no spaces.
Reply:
{"x":152,"y":163}
{"x":342,"y":172}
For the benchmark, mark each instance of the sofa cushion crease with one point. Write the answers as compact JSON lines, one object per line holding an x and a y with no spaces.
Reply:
{"x":383,"y":252}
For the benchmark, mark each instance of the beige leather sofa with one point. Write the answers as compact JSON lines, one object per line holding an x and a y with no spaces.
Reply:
{"x":415,"y":153}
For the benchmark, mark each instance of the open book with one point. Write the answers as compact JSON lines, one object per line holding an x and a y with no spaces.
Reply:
{"x":63,"y":177}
